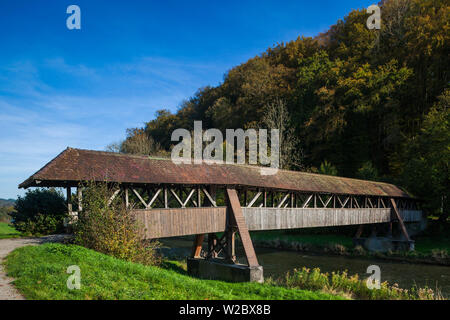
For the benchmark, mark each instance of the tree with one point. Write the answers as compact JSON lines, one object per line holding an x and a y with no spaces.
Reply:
{"x":367,"y":172}
{"x":160,"y":129}
{"x":114,"y":147}
{"x":139,"y":143}
{"x":276,"y":116}
{"x":327,"y":168}
{"x":426,"y":172}
{"x":40,"y":211}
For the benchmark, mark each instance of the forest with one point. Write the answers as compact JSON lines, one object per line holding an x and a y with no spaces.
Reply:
{"x":353,"y":102}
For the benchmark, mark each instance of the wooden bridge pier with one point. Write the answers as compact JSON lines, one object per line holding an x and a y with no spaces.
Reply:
{"x":226,"y":268}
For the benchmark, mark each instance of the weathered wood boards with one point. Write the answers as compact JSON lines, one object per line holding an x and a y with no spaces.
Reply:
{"x":291,"y":218}
{"x":160,"y":223}
{"x":410,"y":215}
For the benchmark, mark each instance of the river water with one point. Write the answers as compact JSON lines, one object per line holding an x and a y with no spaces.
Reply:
{"x":277,"y":262}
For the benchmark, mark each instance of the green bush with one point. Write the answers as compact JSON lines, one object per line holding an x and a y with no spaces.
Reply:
{"x":110,"y":228}
{"x":368,"y":172}
{"x":40,"y":225}
{"x":40,"y":212}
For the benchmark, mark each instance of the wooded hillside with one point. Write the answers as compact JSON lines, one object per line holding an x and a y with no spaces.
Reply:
{"x":372,"y":104}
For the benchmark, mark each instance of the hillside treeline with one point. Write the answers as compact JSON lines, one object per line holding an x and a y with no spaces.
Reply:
{"x":371,"y":104}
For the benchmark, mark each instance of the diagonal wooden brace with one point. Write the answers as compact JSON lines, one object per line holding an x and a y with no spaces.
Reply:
{"x":197,"y":246}
{"x":400,"y":220}
{"x":236,"y":213}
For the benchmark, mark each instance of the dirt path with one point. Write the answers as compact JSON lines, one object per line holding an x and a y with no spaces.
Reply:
{"x":7,"y":289}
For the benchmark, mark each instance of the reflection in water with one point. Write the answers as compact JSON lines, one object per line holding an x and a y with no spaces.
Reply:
{"x":277,"y":262}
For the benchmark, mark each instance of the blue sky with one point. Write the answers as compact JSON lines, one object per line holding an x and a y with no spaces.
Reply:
{"x":83,"y":88}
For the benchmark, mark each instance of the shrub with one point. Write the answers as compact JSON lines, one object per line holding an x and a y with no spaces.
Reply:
{"x":342,"y":283}
{"x":40,"y":225}
{"x":307,"y":279}
{"x":40,"y":212}
{"x":110,"y":228}
{"x":337,"y":248}
{"x":327,"y":168}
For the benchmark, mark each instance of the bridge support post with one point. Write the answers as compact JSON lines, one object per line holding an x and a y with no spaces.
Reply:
{"x":374,"y":243}
{"x":197,"y":247}
{"x":402,"y":224}
{"x":69,"y":200}
{"x":236,"y":220}
{"x":212,"y":238}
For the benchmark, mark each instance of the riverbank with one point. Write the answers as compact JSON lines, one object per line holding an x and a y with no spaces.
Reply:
{"x":40,"y":273}
{"x":277,"y":263}
{"x":428,"y":249}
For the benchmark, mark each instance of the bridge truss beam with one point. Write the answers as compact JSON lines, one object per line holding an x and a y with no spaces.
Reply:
{"x":224,"y":207}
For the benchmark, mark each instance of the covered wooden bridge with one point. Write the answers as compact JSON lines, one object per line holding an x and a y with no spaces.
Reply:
{"x":208,"y":199}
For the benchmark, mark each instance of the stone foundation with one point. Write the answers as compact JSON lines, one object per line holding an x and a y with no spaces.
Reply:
{"x":384,"y":244}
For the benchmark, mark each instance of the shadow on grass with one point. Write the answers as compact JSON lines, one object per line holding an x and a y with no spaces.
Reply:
{"x":170,"y":265}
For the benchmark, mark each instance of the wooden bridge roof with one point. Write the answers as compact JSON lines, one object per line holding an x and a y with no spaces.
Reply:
{"x":76,"y":165}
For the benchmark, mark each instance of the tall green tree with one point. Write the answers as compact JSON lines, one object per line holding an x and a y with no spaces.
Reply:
{"x":427,"y":158}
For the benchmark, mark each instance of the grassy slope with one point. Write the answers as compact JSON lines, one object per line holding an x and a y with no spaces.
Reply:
{"x":6,"y":231}
{"x":40,"y":273}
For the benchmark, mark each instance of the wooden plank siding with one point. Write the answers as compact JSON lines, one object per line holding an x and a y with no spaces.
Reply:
{"x":291,"y":218}
{"x":172,"y":222}
{"x":162,"y":223}
{"x":411,"y":215}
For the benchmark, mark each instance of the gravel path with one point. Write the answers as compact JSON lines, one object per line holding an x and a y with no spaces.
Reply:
{"x":7,"y":289}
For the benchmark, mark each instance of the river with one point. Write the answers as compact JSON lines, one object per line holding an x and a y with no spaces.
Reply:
{"x":277,"y":262}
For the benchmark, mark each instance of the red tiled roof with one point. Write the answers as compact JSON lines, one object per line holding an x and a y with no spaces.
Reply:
{"x":76,"y":165}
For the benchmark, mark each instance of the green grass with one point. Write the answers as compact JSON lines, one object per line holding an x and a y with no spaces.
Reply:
{"x":7,"y":231}
{"x":426,"y":245}
{"x":40,"y":273}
